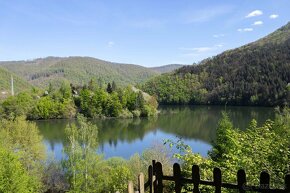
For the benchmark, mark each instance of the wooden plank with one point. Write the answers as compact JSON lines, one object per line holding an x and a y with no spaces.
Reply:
{"x":195,"y":178}
{"x":287,"y":183}
{"x":177,"y":177}
{"x":141,"y":183}
{"x":159,"y":178}
{"x":150,"y":178}
{"x":217,"y":179}
{"x":264,"y":182}
{"x":130,"y":187}
{"x":242,"y":182}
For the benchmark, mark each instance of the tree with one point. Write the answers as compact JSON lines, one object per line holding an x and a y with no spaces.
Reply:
{"x":65,"y":90}
{"x":19,"y":105}
{"x":109,"y":88}
{"x":13,"y":176}
{"x":22,"y":138}
{"x":114,"y":86}
{"x":81,"y":155}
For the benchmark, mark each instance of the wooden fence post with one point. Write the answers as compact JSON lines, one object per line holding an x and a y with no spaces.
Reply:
{"x":159,"y":176}
{"x":264,"y":182}
{"x":177,"y":177}
{"x":150,"y":178}
{"x":130,"y":187}
{"x":217,"y":180}
{"x":195,"y":178}
{"x":156,"y":177}
{"x":141,"y":182}
{"x":153,"y":167}
{"x":242,"y":181}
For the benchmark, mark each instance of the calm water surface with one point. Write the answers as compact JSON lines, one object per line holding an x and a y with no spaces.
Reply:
{"x":196,"y":125}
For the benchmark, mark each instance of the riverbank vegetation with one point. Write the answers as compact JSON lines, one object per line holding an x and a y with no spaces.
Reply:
{"x":23,"y":158}
{"x":91,"y":100}
{"x":255,"y":149}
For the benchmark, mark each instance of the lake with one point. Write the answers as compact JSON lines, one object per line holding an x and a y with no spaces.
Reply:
{"x":196,"y":125}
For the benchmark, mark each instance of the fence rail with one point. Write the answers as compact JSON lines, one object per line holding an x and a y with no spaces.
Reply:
{"x":156,"y":179}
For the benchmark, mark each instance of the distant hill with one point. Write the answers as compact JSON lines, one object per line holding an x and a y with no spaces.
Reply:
{"x":77,"y":70}
{"x":166,"y":68}
{"x":5,"y":83}
{"x":255,"y":74}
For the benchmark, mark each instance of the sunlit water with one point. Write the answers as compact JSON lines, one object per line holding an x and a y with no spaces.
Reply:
{"x":196,"y":125}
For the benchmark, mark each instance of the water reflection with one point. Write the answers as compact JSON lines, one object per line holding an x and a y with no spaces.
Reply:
{"x":124,"y":137}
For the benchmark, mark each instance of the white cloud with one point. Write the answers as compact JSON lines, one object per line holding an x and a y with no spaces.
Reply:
{"x":245,"y":30}
{"x":219,"y":45}
{"x":199,"y":51}
{"x":258,"y":23}
{"x":110,"y":44}
{"x":273,"y":16}
{"x":218,"y":35}
{"x":254,"y":13}
{"x":248,"y":29}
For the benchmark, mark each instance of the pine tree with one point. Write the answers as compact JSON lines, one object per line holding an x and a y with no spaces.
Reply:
{"x":109,"y":88}
{"x":114,"y":86}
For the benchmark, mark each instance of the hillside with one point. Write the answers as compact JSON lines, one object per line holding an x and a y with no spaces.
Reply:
{"x":77,"y":70}
{"x":166,"y":68}
{"x":255,"y":74}
{"x":5,"y":83}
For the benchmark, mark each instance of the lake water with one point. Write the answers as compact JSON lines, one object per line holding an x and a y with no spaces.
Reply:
{"x":196,"y":125}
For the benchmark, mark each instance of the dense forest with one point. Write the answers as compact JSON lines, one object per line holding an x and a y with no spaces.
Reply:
{"x":77,"y":70}
{"x":92,"y":100}
{"x":254,"y":74}
{"x":166,"y":68}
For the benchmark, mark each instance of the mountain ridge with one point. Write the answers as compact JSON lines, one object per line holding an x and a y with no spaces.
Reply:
{"x":77,"y":70}
{"x":257,"y":73}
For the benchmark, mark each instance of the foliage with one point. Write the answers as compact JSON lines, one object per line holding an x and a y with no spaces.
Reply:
{"x":176,"y":89}
{"x":98,"y":102}
{"x":166,"y":68}
{"x":20,"y":85}
{"x":20,"y":105}
{"x":112,"y":175}
{"x":91,"y":100}
{"x":255,"y":149}
{"x":54,"y":178}
{"x":21,"y":138}
{"x":81,"y":155}
{"x":13,"y":176}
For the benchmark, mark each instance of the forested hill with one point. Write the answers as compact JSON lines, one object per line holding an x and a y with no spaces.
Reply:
{"x":5,"y":83}
{"x":166,"y":68}
{"x":255,"y":74}
{"x":77,"y":70}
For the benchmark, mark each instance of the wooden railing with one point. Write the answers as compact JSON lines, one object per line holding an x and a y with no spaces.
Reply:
{"x":156,"y":179}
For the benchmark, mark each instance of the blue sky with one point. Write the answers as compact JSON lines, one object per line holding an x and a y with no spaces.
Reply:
{"x":148,"y":32}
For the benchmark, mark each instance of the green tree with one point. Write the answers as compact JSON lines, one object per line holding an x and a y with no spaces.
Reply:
{"x":19,"y":105}
{"x":22,"y":138}
{"x":13,"y":176}
{"x":114,"y":86}
{"x":81,"y":155}
{"x":109,"y":88}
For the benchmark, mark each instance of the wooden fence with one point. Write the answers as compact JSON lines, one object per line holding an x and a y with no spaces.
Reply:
{"x":156,"y":179}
